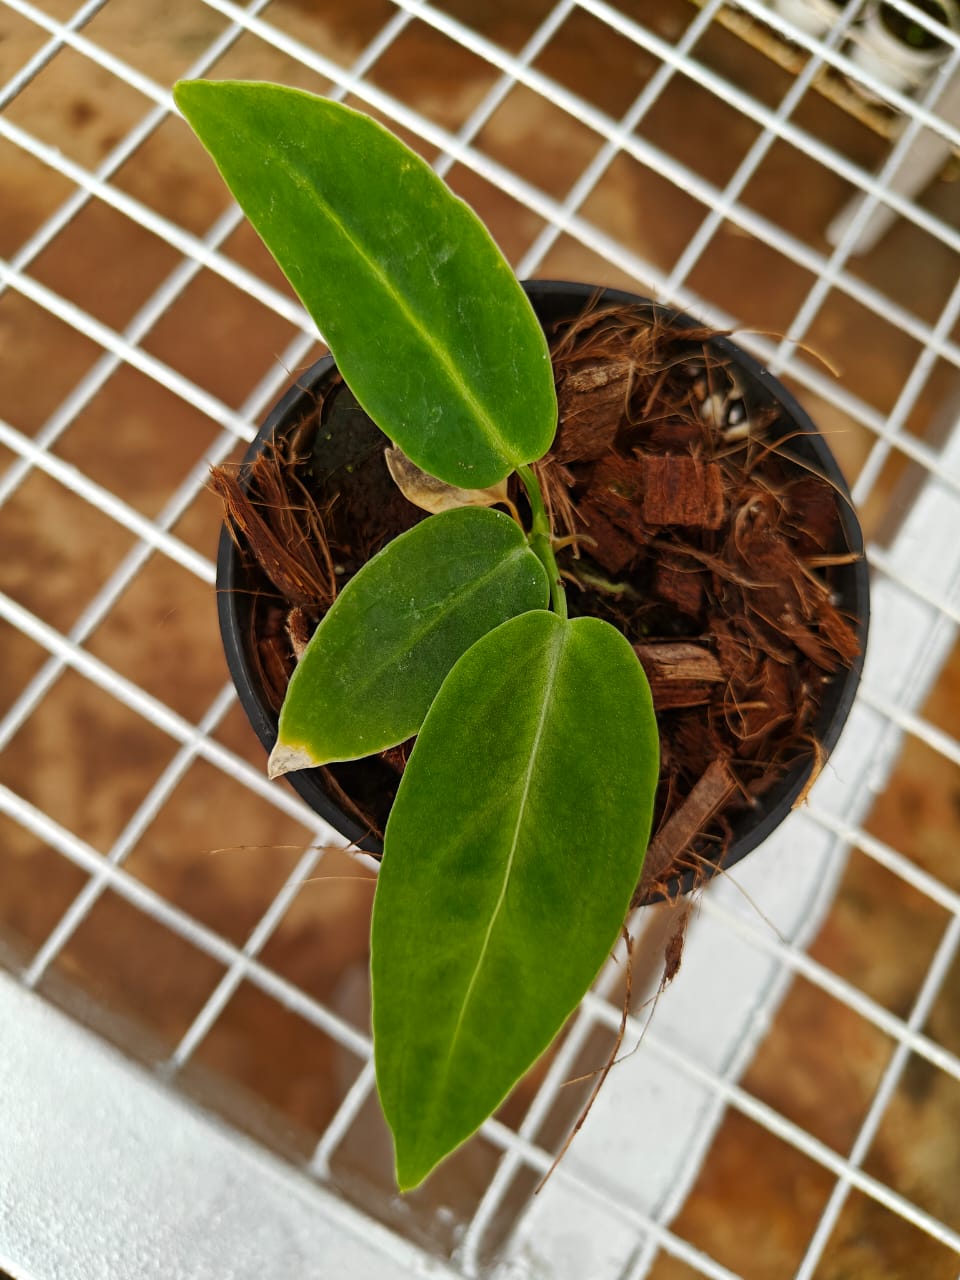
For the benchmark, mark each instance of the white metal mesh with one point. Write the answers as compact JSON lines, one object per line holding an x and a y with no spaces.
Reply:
{"x":902,"y":452}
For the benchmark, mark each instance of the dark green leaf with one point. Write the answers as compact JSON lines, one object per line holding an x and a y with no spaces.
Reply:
{"x":376,"y":661}
{"x":512,"y":850}
{"x":420,"y":309}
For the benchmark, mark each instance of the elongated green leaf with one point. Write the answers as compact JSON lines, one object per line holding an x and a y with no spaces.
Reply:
{"x":376,"y":661}
{"x":421,"y":311}
{"x":513,"y":846}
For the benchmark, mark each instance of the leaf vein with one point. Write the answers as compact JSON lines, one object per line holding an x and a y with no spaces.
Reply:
{"x":441,"y":612}
{"x":521,"y":808}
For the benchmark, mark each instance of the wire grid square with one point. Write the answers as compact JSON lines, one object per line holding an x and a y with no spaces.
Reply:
{"x":595,"y":63}
{"x":870,"y":898}
{"x":69,"y":268}
{"x":24,"y":172}
{"x":564,"y":148}
{"x":47,"y":526}
{"x":39,"y":884}
{"x":906,"y":1135}
{"x":119,"y":28}
{"x":32,"y":389}
{"x":56,"y":730}
{"x":260,"y":1066}
{"x":867,"y":1235}
{"x":58,"y":108}
{"x":460,"y":79}
{"x":112,"y":441}
{"x":229,"y":887}
{"x":777,"y":1172}
{"x":827,"y":1089}
{"x":580,"y":217}
{"x":142,"y":999}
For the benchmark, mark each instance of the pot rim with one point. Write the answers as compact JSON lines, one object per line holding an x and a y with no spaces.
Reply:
{"x":567,"y":300}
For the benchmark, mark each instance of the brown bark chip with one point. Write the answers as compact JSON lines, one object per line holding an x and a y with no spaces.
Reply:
{"x":616,"y":487}
{"x":813,"y":512}
{"x":678,"y":833}
{"x":592,"y":398}
{"x":683,"y":491}
{"x":608,"y":546}
{"x":679,"y":674}
{"x":680,"y":586}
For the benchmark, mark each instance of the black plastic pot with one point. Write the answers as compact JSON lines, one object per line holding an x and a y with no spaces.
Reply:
{"x":556,"y":301}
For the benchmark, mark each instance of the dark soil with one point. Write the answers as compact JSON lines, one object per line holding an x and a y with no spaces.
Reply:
{"x":691,"y":527}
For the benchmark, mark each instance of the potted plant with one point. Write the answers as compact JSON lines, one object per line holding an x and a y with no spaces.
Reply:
{"x":515,"y":830}
{"x":899,"y":50}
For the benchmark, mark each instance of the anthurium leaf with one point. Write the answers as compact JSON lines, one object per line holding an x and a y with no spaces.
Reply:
{"x":423,"y":314}
{"x":512,"y":849}
{"x":376,"y":661}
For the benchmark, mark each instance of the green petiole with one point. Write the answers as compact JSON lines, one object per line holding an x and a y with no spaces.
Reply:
{"x":540,"y":541}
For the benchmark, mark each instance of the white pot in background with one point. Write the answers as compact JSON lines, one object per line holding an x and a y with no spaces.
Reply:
{"x":898,"y":51}
{"x":813,"y":16}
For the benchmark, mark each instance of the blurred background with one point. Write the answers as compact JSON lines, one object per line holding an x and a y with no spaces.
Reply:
{"x":158,"y":890}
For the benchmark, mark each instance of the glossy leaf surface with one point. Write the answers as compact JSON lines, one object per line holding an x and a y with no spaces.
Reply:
{"x":513,"y":847}
{"x":422,"y":312}
{"x":376,"y":661}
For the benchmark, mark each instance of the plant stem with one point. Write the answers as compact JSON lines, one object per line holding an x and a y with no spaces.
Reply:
{"x":539,"y":538}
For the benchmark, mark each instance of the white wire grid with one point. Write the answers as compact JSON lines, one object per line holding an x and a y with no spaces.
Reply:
{"x":895,"y":685}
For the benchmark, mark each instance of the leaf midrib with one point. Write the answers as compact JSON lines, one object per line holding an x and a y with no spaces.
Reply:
{"x":557,"y":653}
{"x":484,"y":418}
{"x":469,"y":590}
